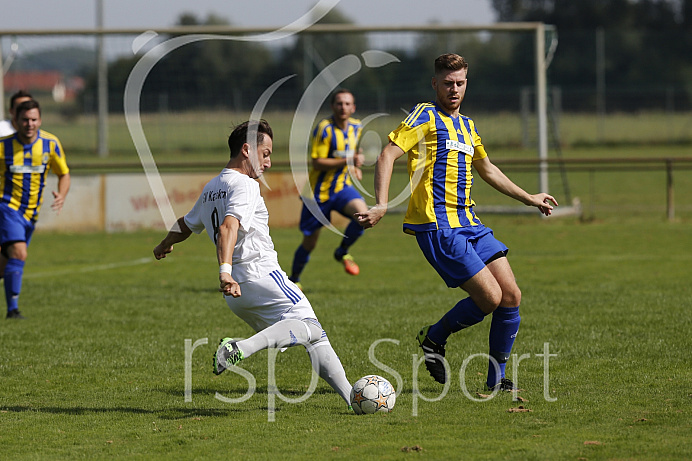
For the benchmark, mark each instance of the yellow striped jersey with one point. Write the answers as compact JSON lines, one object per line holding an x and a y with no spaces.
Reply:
{"x":330,"y":141}
{"x":440,"y":151}
{"x":23,"y":170}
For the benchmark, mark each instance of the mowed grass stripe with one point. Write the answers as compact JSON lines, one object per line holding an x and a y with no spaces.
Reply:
{"x":98,"y":368}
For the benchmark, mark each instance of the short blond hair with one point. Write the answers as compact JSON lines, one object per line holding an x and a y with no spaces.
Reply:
{"x":450,"y":62}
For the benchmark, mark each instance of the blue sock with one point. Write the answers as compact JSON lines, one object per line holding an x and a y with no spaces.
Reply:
{"x":503,"y":331}
{"x":13,"y":282}
{"x":351,"y":234}
{"x":463,"y":315}
{"x":300,"y":259}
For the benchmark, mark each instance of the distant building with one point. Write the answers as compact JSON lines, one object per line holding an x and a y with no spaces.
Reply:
{"x":54,"y":82}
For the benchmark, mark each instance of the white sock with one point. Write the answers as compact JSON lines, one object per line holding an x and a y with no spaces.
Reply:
{"x":288,"y":333}
{"x":327,"y":364}
{"x":285,"y":333}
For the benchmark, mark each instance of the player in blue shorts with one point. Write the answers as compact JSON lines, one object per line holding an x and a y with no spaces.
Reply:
{"x":25,"y":159}
{"x":442,"y":146}
{"x":335,"y":157}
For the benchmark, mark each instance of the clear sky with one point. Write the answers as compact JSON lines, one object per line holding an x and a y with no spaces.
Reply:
{"x":65,"y":14}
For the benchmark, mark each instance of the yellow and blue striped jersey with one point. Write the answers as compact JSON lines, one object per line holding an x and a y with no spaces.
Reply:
{"x":23,"y":170}
{"x":440,"y":151}
{"x":330,"y":141}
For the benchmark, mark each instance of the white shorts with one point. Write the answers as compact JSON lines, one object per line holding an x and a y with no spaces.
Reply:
{"x":265,"y":301}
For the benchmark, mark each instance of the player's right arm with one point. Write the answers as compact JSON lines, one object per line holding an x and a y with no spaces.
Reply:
{"x":383,"y":177}
{"x":325,"y":164}
{"x":178,"y":233}
{"x":59,"y":195}
{"x":227,"y":238}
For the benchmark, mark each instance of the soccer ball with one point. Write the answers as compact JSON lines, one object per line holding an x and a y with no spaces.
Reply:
{"x":371,"y":394}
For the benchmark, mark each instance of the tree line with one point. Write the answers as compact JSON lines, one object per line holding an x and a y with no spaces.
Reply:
{"x":646,"y":46}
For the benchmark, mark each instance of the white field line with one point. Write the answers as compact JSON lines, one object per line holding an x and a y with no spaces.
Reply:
{"x":100,"y":267}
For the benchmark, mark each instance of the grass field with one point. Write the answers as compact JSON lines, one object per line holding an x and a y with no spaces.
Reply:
{"x":177,"y":136}
{"x":98,"y":368}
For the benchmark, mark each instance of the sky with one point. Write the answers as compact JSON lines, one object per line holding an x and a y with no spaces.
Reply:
{"x":65,"y":14}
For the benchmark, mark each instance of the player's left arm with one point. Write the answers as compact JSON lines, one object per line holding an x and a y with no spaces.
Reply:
{"x":225,"y":244}
{"x":499,"y":181}
{"x":58,"y":165}
{"x":178,"y":233}
{"x":60,"y":195}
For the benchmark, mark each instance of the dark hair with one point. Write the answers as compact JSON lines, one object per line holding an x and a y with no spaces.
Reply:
{"x":450,"y":62}
{"x":19,"y":94}
{"x":240,"y":133}
{"x":342,"y":91}
{"x":26,"y":105}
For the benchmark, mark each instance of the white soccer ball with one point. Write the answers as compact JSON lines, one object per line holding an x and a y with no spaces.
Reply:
{"x":371,"y":394}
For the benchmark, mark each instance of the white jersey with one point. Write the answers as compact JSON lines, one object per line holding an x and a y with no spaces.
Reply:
{"x":6,"y":128}
{"x":234,"y":194}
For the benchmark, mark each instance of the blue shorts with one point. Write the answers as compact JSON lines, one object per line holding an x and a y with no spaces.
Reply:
{"x":13,"y":226}
{"x":337,"y":202}
{"x":459,"y":254}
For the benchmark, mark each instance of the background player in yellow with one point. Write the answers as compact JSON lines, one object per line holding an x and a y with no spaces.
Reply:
{"x":335,"y":157}
{"x":25,"y":158}
{"x":443,"y":145}
{"x":6,"y":129}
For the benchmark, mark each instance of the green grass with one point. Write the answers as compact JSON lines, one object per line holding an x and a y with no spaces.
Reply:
{"x":196,"y":141}
{"x":175,"y":137}
{"x":98,"y":368}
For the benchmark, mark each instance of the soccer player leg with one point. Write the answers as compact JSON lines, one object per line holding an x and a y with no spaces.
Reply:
{"x":456,"y":261}
{"x":505,"y":324}
{"x":351,"y":234}
{"x":15,"y":233}
{"x":353,"y":231}
{"x":284,"y":333}
{"x":326,"y":363}
{"x":322,"y":356}
{"x":308,"y":333}
{"x":310,"y":227}
{"x":349,"y":202}
{"x":503,"y":331}
{"x":463,"y":315}
{"x":14,"y":272}
{"x":269,"y":306}
{"x":281,"y":335}
{"x":3,"y":263}
{"x":301,"y":258}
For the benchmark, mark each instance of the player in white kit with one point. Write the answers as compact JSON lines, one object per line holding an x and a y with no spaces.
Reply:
{"x":235,"y":217}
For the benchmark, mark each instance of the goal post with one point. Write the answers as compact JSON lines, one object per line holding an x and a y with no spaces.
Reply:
{"x":542,"y":107}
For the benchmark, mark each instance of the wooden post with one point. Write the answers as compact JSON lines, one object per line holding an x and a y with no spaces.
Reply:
{"x":670,"y":198}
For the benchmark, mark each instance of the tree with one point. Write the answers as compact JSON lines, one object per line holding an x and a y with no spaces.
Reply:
{"x":311,"y":53}
{"x":647,"y":42}
{"x":210,"y":73}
